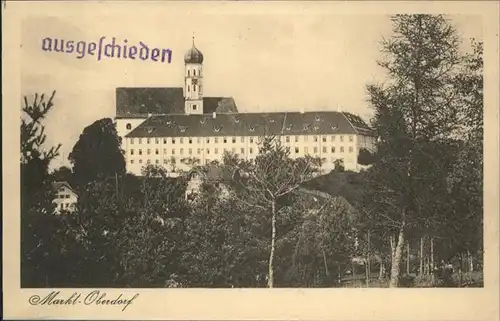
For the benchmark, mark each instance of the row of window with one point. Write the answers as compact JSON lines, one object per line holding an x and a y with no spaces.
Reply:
{"x":232,"y":139}
{"x":242,"y":150}
{"x":167,"y":161}
{"x":63,"y":195}
{"x":194,"y":73}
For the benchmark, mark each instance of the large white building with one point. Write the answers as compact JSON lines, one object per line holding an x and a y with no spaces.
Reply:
{"x":166,"y":126}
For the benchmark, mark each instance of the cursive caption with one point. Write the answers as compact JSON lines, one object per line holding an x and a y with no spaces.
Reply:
{"x":96,"y":297}
{"x":101,"y":49}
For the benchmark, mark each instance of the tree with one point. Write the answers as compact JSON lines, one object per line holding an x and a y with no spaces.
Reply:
{"x":97,"y":153}
{"x":40,"y":247}
{"x":415,"y":108}
{"x":268,"y":183}
{"x":63,"y":173}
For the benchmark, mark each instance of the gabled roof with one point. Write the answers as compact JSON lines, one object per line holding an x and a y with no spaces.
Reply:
{"x":136,"y":102}
{"x":60,"y":184}
{"x":142,"y":101}
{"x":249,"y":124}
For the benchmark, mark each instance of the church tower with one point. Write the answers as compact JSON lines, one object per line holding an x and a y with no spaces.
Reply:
{"x":193,"y":84}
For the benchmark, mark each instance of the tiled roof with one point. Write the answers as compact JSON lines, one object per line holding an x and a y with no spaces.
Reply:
{"x":133,"y":102}
{"x":249,"y":124}
{"x":141,"y":101}
{"x":57,"y":185}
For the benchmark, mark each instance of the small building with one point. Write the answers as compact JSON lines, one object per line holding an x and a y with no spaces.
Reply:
{"x":209,"y":174}
{"x":66,"y":197}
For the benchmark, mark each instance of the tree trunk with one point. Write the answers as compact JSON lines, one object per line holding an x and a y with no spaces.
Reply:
{"x":367,"y":265}
{"x":470,"y":261}
{"x":408,"y":258}
{"x":421,"y":269}
{"x":396,"y":260}
{"x":432,"y":267}
{"x":270,"y":279}
{"x":326,"y":265}
{"x":381,"y":272}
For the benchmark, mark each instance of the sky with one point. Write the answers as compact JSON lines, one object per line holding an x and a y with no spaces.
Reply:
{"x":266,"y":62}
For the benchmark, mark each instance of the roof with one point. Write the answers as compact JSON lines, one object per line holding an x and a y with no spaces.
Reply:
{"x":136,"y":102}
{"x":248,"y":124}
{"x":57,"y":185}
{"x":142,"y":101}
{"x":193,"y":56}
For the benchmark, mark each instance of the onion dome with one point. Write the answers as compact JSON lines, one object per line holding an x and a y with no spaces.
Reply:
{"x":193,"y":56}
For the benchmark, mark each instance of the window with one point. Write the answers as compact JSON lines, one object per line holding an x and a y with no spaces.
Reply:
{"x":324,"y":139}
{"x":287,"y":139}
{"x":173,"y":140}
{"x":165,"y":161}
{"x":233,"y":150}
{"x":190,"y":151}
{"x":190,"y":140}
{"x":157,"y":141}
{"x":147,"y":141}
{"x":333,"y":149}
{"x":208,"y":140}
{"x":173,"y":151}
{"x":149,"y":161}
{"x":351,"y":138}
{"x":182,"y":151}
{"x":62,"y":206}
{"x":216,"y":139}
{"x":305,"y":149}
{"x":243,"y":151}
{"x":198,"y":140}
{"x":315,"y":139}
{"x":341,"y":149}
{"x":194,"y":87}
{"x":234,"y":140}
{"x":305,"y":138}
{"x":333,"y":138}
{"x":315,"y":150}
{"x":157,"y":151}
{"x":131,"y":152}
{"x":242,"y":139}
{"x":208,"y":151}
{"x":140,"y":161}
{"x":189,"y":89}
{"x":194,"y":107}
{"x":194,"y":72}
{"x":350,"y":149}
{"x":164,"y":140}
{"x":189,"y":73}
{"x":296,"y":150}
{"x":129,"y":126}
{"x":181,"y":140}
{"x":157,"y":161}
{"x":225,"y":140}
{"x":324,"y":149}
{"x":216,"y":151}
{"x":140,"y":140}
{"x":131,"y":141}
{"x":341,"y":138}
{"x":251,"y":140}
{"x":149,"y":151}
{"x":296,"y":139}
{"x":198,"y":151}
{"x":131,"y":161}
{"x":140,"y":151}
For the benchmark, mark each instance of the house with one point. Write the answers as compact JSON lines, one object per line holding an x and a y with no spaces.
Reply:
{"x":210,"y":174}
{"x":66,"y":198}
{"x":161,"y":126}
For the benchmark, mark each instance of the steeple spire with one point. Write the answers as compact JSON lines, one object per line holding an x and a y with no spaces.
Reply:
{"x":193,"y":38}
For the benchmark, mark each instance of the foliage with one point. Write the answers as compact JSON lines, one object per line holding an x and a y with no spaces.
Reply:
{"x":97,"y":153}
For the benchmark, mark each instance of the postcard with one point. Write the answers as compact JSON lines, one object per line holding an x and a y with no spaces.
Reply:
{"x":184,"y":160}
